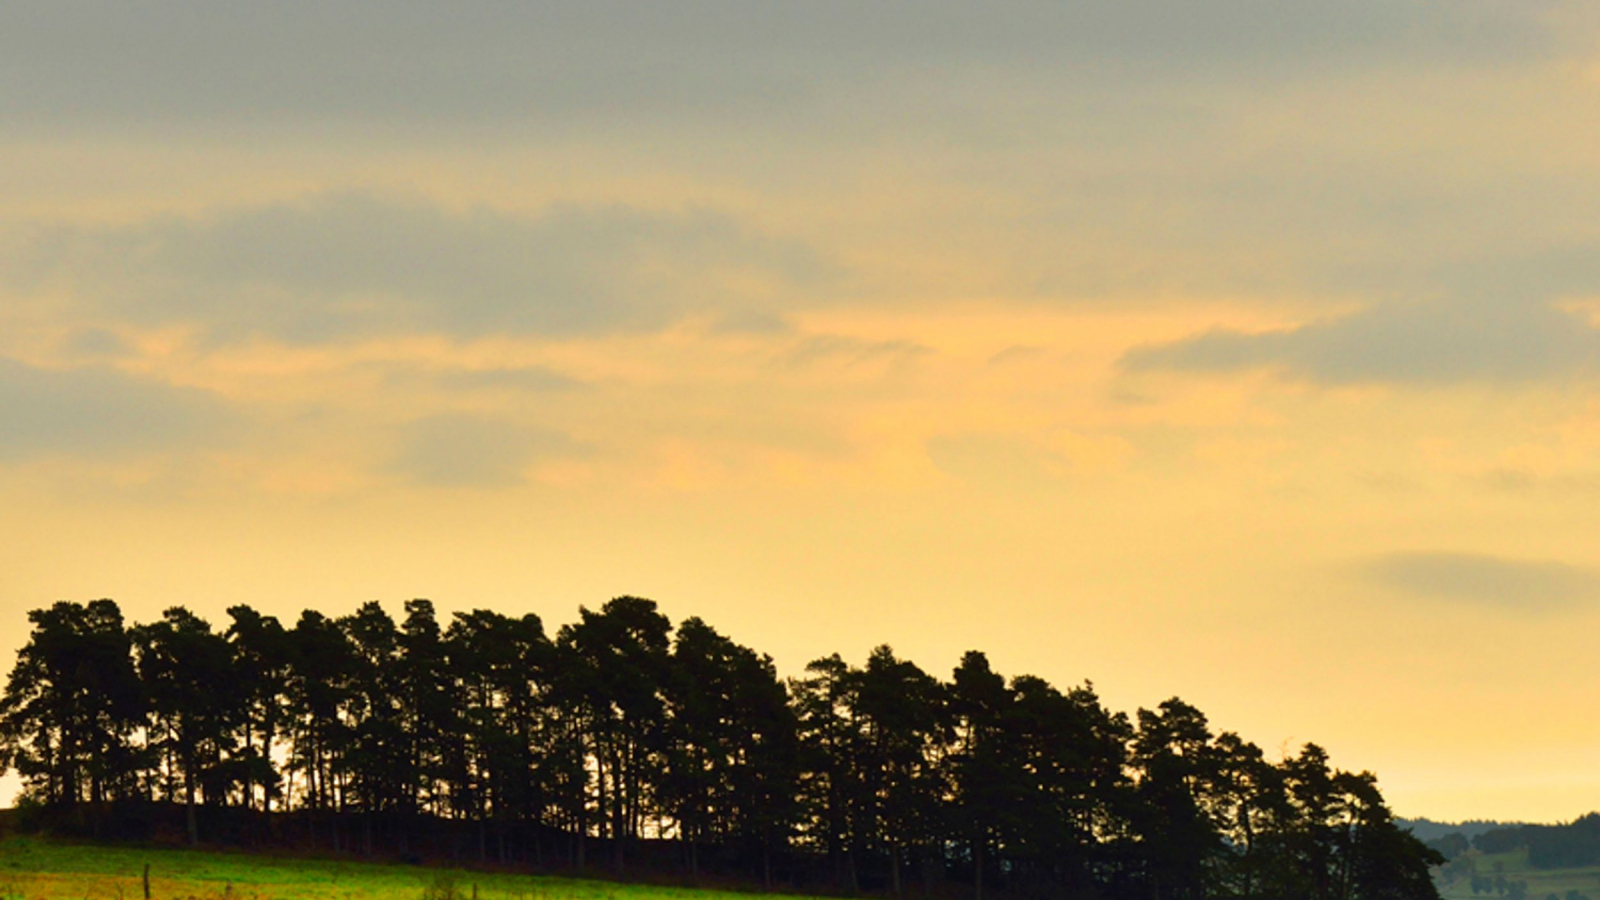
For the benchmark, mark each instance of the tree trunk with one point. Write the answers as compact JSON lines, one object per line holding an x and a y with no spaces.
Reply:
{"x":188,"y":805}
{"x":249,"y":786}
{"x":619,"y":813}
{"x":977,"y":869}
{"x":335,"y":808}
{"x":1249,"y":853}
{"x":894,"y":868}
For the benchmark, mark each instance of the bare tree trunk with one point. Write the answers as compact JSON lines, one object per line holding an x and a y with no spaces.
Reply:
{"x":977,"y":869}
{"x":766,"y":863}
{"x":336,"y":808}
{"x":188,"y":805}
{"x":619,"y":824}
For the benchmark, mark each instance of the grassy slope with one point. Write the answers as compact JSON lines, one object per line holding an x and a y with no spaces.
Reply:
{"x":37,"y":869}
{"x":1514,"y":866}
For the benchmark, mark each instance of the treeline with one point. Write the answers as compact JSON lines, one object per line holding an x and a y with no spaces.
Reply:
{"x":1565,"y":846}
{"x":625,"y":742}
{"x":1429,"y":831}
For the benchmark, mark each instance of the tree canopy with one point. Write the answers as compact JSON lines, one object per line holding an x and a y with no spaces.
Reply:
{"x":626,"y":741}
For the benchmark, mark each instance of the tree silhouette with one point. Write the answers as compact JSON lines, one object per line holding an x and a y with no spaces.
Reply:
{"x":622,"y":653}
{"x":195,"y":702}
{"x":678,"y":750}
{"x":1178,"y":777}
{"x":72,"y":705}
{"x":901,"y":712}
{"x":374,"y":765}
{"x":985,"y":773}
{"x":321,"y":662}
{"x":260,"y":668}
{"x":430,"y":771}
{"x":831,"y":782}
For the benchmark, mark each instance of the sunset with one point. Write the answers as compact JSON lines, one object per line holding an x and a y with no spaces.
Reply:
{"x":1234,"y":351}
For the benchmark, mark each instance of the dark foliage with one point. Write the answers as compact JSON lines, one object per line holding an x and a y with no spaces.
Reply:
{"x":1451,"y":845}
{"x":624,"y":741}
{"x":1500,"y":840}
{"x":1428,"y":830}
{"x":1564,"y":846}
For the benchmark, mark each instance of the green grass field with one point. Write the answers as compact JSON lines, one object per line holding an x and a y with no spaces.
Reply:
{"x":43,"y":869}
{"x":40,"y":869}
{"x":1541,"y":883}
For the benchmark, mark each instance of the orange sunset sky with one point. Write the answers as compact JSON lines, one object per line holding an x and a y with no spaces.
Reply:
{"x":1237,"y":350}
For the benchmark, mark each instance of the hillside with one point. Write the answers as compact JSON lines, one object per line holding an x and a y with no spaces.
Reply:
{"x":1540,"y":884}
{"x":41,"y":869}
{"x":1429,"y":830}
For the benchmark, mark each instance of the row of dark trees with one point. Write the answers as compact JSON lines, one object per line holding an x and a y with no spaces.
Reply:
{"x":625,"y":742}
{"x":1564,"y":846}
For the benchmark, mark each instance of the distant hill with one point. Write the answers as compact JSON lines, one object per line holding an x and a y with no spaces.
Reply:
{"x":1565,"y":845}
{"x":1429,"y":830}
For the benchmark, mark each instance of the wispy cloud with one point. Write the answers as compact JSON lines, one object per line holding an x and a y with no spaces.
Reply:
{"x":1490,"y":581}
{"x":97,"y":344}
{"x":335,"y":265}
{"x":98,"y":412}
{"x":525,"y":379}
{"x":464,"y":450}
{"x":1406,"y":343}
{"x":849,"y":351}
{"x":173,"y":60}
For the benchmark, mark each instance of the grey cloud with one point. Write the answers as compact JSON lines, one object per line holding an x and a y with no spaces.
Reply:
{"x":462,"y":450}
{"x":1521,"y":480}
{"x":516,"y":380}
{"x":1484,"y":276}
{"x":1560,"y":268}
{"x":98,"y":412}
{"x":97,"y":343}
{"x":1015,"y":353}
{"x":751,"y":322}
{"x":852,"y":351}
{"x":334,"y":265}
{"x":533,"y":378}
{"x":183,"y":60}
{"x":1511,"y":584}
{"x":1432,"y":342}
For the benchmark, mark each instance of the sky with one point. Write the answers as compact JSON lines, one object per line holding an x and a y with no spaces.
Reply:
{"x":1246,"y":351}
